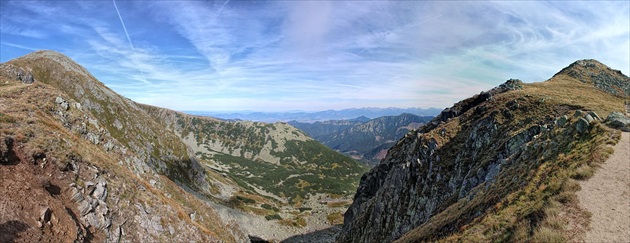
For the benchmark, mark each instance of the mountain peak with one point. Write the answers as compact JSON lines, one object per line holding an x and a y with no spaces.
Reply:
{"x":601,"y":76}
{"x":49,"y":56}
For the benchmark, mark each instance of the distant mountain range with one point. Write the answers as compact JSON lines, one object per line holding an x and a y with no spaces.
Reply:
{"x":366,"y":140}
{"x":345,"y":114}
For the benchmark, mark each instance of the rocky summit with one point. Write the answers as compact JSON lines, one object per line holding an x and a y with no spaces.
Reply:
{"x":499,"y":166}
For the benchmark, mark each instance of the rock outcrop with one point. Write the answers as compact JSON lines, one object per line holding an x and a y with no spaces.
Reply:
{"x":445,"y":176}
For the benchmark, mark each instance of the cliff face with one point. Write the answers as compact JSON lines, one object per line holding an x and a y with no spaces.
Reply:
{"x":469,"y":163}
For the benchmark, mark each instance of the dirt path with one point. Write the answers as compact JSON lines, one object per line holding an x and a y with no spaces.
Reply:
{"x":607,"y":196}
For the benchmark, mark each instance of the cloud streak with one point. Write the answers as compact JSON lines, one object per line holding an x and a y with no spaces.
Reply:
{"x":316,"y":55}
{"x":128,"y":39}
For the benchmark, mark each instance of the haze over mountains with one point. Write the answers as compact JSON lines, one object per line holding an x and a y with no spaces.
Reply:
{"x":345,"y":114}
{"x":366,"y":140}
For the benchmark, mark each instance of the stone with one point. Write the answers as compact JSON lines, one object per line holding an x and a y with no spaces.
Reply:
{"x":561,"y":121}
{"x":63,"y":104}
{"x":512,"y":84}
{"x":85,"y":207}
{"x":582,"y":125}
{"x":45,"y":217}
{"x":594,"y":115}
{"x":100,"y":192}
{"x":76,"y":195}
{"x":93,"y":138}
{"x":617,"y":120}
{"x":25,"y":77}
{"x":109,"y":146}
{"x":589,"y":118}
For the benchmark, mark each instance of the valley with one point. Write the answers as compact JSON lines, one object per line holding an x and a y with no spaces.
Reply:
{"x":254,"y":179}
{"x":80,"y":162}
{"x":365,"y":140}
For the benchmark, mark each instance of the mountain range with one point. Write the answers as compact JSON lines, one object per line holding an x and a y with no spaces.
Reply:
{"x":300,"y":116}
{"x":366,"y":140}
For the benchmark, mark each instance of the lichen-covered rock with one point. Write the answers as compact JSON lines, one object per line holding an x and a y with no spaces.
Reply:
{"x":617,"y":120}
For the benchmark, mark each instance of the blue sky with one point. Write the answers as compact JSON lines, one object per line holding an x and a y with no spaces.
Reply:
{"x":301,"y":55}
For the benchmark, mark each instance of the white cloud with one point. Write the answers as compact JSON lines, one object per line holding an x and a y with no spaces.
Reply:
{"x":322,"y":55}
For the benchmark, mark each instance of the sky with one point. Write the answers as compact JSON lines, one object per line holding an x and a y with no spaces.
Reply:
{"x":316,"y":55}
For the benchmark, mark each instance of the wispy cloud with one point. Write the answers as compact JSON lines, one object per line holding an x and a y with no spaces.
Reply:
{"x":312,"y":55}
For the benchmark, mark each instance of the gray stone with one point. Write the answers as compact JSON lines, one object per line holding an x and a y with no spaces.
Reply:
{"x":562,"y":120}
{"x":63,"y":104}
{"x":100,"y":192}
{"x":589,"y":118}
{"x":617,"y":120}
{"x":25,"y":77}
{"x":76,"y":195}
{"x":109,"y":146}
{"x":594,"y":115}
{"x":85,"y":207}
{"x":93,"y":138}
{"x":582,"y":125}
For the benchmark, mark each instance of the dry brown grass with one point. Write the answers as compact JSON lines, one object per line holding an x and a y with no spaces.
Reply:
{"x":335,"y":218}
{"x":544,"y":209}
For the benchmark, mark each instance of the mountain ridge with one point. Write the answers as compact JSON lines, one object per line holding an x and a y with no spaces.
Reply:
{"x":498,"y":166}
{"x":344,"y":114}
{"x":366,"y":141}
{"x":108,"y":156}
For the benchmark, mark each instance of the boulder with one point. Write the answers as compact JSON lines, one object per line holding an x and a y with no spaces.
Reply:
{"x":617,"y":120}
{"x":582,"y":125}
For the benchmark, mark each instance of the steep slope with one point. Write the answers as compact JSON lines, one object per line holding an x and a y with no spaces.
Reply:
{"x":364,"y":140}
{"x":368,"y":142}
{"x":78,"y":162}
{"x":499,"y":166}
{"x":321,"y":128}
{"x":267,"y":158}
{"x":115,"y":118}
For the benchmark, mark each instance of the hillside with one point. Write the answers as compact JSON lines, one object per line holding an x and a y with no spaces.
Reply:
{"x":365,"y":141}
{"x":261,"y":157}
{"x":321,"y":128}
{"x":79,"y":162}
{"x":499,"y":166}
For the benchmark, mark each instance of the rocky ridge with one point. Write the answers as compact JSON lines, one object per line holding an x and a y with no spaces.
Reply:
{"x":494,"y":159}
{"x":81,"y":163}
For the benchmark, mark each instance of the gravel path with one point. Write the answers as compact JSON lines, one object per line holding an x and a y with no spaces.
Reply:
{"x":607,"y":196}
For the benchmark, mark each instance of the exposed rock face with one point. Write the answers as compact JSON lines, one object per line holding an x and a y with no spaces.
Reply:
{"x":465,"y":161}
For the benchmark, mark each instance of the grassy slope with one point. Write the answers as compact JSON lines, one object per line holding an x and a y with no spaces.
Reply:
{"x":29,"y":116}
{"x":295,"y":166}
{"x":542,"y":207}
